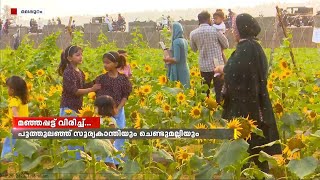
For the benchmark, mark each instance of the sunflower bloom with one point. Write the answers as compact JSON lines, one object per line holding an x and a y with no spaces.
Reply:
{"x":293,"y":147}
{"x":273,"y":75}
{"x":162,"y":80}
{"x":137,"y":123}
{"x":316,"y":88}
{"x":200,"y":126}
{"x":181,"y":98}
{"x":196,"y":112}
{"x":92,"y":95}
{"x":40,"y":98}
{"x":247,"y":126}
{"x":29,"y":86}
{"x":235,"y":124}
{"x":43,"y":106}
{"x":133,"y":65}
{"x":3,"y":78}
{"x":158,"y":144}
{"x":146,"y":89}
{"x":40,"y":72}
{"x":29,"y":75}
{"x":281,"y":161}
{"x":311,"y":100}
{"x":86,"y":112}
{"x":284,"y":64}
{"x":166,"y":108}
{"x":159,"y":98}
{"x":278,"y":109}
{"x":312,"y":116}
{"x":192,"y":83}
{"x":211,"y":104}
{"x":182,"y":154}
{"x":179,"y":85}
{"x":192,"y":93}
{"x":147,"y":68}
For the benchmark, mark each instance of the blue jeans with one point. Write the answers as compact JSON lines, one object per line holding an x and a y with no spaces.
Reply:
{"x":118,"y":143}
{"x":74,"y":114}
{"x":7,"y":148}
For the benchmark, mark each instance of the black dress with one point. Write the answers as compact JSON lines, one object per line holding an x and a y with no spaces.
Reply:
{"x":246,"y":93}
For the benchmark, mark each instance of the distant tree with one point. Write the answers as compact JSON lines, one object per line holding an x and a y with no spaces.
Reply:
{"x":6,"y":13}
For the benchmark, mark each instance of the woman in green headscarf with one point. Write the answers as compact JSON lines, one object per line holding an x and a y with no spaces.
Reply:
{"x":178,"y":69}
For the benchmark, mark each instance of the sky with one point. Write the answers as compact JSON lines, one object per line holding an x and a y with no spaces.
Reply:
{"x":54,"y":8}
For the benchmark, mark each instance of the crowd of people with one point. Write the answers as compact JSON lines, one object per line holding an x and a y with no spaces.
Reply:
{"x":240,"y":81}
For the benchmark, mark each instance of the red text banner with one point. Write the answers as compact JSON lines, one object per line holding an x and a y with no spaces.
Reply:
{"x":56,"y":122}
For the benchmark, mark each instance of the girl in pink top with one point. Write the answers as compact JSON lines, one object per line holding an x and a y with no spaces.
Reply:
{"x":125,"y":68}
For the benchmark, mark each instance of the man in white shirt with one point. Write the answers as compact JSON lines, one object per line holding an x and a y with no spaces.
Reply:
{"x":209,"y":42}
{"x":107,"y":21}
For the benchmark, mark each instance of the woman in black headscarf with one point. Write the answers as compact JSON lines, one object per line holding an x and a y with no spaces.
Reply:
{"x":245,"y":92}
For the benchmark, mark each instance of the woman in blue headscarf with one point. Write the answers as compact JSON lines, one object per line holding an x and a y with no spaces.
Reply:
{"x":178,"y":69}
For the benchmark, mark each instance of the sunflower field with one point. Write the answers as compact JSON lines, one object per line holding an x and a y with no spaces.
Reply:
{"x":156,"y":103}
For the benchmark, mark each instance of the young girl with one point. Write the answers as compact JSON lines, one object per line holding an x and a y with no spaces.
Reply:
{"x":117,"y":86}
{"x":106,"y":109}
{"x":74,"y":86}
{"x":18,"y":107}
{"x":124,"y":67}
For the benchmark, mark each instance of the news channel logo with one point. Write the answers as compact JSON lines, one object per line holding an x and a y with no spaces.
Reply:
{"x":26,"y":11}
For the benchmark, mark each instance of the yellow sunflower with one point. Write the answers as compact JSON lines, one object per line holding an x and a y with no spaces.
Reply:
{"x":158,"y":144}
{"x":316,"y":88}
{"x":146,"y":89}
{"x":312,"y":116}
{"x":133,"y":64}
{"x":273,"y":75}
{"x":281,"y":161}
{"x":181,"y":98}
{"x":192,"y":93}
{"x":192,"y":83}
{"x":270,"y":86}
{"x":29,"y":74}
{"x":137,"y":123}
{"x":139,"y":92}
{"x":59,"y":88}
{"x":86,"y":112}
{"x":92,"y":95}
{"x":278,"y":108}
{"x":134,"y":115}
{"x":40,"y":72}
{"x":311,"y":100}
{"x":305,"y":110}
{"x":193,"y":73}
{"x":247,"y":126}
{"x":178,"y":84}
{"x":200,"y":126}
{"x":196,"y":112}
{"x":162,"y":80}
{"x":159,"y":98}
{"x":293,"y":147}
{"x":142,"y":101}
{"x":104,"y":71}
{"x":40,"y":98}
{"x":29,"y":86}
{"x":147,"y":68}
{"x":283,"y":76}
{"x":43,"y":106}
{"x":235,"y":124}
{"x":68,"y":111}
{"x":166,"y":108}
{"x":283,"y":64}
{"x":182,"y":154}
{"x":211,"y":104}
{"x":288,"y":72}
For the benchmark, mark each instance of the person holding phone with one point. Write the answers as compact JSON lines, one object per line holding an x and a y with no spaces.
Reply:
{"x":178,"y":68}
